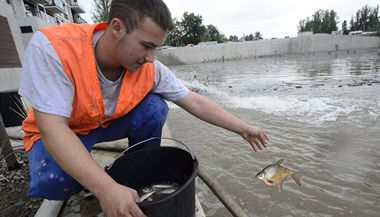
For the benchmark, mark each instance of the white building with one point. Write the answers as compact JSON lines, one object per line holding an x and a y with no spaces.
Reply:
{"x":19,"y":19}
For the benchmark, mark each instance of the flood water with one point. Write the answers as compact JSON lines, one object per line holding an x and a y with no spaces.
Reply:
{"x":322,"y":115}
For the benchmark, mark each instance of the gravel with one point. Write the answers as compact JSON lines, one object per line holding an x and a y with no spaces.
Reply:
{"x":13,"y":188}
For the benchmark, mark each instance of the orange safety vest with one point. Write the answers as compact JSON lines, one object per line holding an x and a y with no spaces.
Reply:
{"x":73,"y":45}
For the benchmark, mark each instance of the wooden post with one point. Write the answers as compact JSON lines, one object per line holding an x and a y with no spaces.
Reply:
{"x":6,"y":148}
{"x":220,"y":193}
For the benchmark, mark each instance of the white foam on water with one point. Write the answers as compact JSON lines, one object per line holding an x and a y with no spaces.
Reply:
{"x":195,"y":85}
{"x":314,"y":110}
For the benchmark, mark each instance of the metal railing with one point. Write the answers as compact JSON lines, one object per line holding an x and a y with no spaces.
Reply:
{"x":33,"y":14}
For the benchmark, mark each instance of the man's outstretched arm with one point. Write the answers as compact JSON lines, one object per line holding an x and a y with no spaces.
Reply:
{"x":207,"y":110}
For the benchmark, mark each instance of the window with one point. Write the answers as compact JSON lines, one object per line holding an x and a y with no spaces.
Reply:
{"x":26,"y":29}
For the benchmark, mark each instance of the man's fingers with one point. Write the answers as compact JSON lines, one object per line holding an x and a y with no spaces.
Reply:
{"x":136,"y":211}
{"x":259,"y":144}
{"x":136,"y":196}
{"x":263,"y":138}
{"x":254,"y":145}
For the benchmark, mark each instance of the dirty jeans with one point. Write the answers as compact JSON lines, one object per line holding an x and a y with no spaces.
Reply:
{"x":49,"y":181}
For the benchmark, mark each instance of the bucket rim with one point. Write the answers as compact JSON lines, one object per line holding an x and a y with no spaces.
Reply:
{"x":141,"y":142}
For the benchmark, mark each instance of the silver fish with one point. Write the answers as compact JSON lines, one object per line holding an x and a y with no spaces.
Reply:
{"x":149,"y":192}
{"x":146,"y":195}
{"x":275,"y":174}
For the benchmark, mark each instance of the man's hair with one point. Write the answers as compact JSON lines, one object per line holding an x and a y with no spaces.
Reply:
{"x":133,"y":12}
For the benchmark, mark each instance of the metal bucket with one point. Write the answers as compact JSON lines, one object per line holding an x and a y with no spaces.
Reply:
{"x":145,"y":167}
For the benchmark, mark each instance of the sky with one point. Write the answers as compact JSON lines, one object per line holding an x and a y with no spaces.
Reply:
{"x":272,"y":18}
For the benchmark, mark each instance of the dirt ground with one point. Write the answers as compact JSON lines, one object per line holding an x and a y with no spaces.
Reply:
{"x":13,"y":188}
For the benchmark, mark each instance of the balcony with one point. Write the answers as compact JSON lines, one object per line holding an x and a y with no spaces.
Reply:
{"x":39,"y":1}
{"x":76,"y":7}
{"x":54,"y":9}
{"x":78,"y":19}
{"x":33,"y":13}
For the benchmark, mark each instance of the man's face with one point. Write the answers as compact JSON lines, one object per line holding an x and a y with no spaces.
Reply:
{"x":139,"y":46}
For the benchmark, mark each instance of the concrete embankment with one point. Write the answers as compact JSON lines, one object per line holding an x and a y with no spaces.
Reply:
{"x":266,"y":48}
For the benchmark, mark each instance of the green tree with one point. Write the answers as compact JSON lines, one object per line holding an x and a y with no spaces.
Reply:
{"x":302,"y":25}
{"x":206,"y":36}
{"x":353,"y":24}
{"x":374,"y":20}
{"x":101,"y":10}
{"x":258,"y":36}
{"x":317,"y":22}
{"x":213,"y":33}
{"x":322,"y":21}
{"x":174,"y":36}
{"x":330,"y":22}
{"x":233,"y":38}
{"x":248,"y":37}
{"x":345,"y":28}
{"x":222,"y":38}
{"x":305,"y":25}
{"x":366,"y":19}
{"x":192,"y":29}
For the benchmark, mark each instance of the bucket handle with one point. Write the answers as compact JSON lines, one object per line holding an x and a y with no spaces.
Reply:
{"x":146,"y":140}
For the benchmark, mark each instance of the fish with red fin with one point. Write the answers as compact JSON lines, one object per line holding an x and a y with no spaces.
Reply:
{"x":275,"y":174}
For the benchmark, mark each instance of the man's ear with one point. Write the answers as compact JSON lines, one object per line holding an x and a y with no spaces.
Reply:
{"x":117,"y":28}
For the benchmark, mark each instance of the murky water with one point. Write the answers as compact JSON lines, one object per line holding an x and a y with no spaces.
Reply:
{"x":322,"y":115}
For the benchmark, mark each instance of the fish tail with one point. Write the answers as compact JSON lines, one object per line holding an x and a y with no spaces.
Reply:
{"x":296,"y":179}
{"x":293,"y":175}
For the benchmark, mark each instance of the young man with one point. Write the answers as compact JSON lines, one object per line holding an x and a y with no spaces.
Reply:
{"x":94,"y":83}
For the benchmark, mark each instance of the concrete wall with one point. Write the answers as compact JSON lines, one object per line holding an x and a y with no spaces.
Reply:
{"x":10,"y":77}
{"x":18,"y":8}
{"x":35,"y":22}
{"x":15,"y":13}
{"x":265,"y":48}
{"x":6,"y":11}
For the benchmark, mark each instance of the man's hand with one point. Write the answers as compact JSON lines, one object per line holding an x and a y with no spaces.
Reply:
{"x":256,"y":137}
{"x":119,"y":201}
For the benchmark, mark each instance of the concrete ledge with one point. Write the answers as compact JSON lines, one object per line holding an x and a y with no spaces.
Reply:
{"x":49,"y":208}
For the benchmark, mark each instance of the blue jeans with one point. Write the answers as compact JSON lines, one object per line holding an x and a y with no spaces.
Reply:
{"x":49,"y":181}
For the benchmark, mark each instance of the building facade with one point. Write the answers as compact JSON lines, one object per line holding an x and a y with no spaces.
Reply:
{"x":19,"y":19}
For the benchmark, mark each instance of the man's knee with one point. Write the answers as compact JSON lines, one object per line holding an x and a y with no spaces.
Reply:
{"x":152,"y":109}
{"x":158,"y":103}
{"x":47,"y":179}
{"x":53,"y":186}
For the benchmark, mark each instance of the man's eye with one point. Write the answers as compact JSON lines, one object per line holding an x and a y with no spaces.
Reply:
{"x":147,"y":46}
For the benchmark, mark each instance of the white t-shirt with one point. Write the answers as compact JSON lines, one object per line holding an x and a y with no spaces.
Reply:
{"x":47,"y":88}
